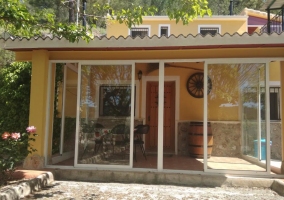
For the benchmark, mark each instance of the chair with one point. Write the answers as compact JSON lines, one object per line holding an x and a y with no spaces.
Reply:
{"x":139,"y":130}
{"x":98,"y":141}
{"x":121,"y":133}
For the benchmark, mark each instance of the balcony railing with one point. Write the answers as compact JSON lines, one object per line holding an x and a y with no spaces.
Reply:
{"x":274,"y":25}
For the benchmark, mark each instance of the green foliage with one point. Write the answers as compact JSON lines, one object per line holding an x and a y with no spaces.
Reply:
{"x":16,"y":19}
{"x":14,"y":147}
{"x":187,"y":10}
{"x":14,"y":16}
{"x":180,"y":10}
{"x":56,"y":6}
{"x":15,"y":80}
{"x":6,"y":57}
{"x":69,"y":128}
{"x":221,"y":7}
{"x":37,"y":17}
{"x":133,"y":15}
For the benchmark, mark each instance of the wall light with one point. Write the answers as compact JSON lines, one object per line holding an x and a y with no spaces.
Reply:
{"x":139,"y":75}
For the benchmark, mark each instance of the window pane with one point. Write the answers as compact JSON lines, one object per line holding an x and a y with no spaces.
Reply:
{"x":142,"y":32}
{"x":105,"y":115}
{"x":164,"y":31}
{"x":212,"y":31}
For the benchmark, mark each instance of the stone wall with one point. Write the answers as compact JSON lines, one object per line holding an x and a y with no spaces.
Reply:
{"x":183,"y":130}
{"x":275,"y":135}
{"x":227,"y":139}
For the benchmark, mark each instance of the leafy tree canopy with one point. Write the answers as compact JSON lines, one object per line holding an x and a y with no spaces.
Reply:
{"x":221,"y":7}
{"x":19,"y":17}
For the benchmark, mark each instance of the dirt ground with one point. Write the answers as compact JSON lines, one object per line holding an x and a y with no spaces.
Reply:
{"x":87,"y":191}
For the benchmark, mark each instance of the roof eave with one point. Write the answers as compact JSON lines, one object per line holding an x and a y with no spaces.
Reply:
{"x":154,"y":42}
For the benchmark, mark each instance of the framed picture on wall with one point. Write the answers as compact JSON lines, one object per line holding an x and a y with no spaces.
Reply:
{"x":115,"y":100}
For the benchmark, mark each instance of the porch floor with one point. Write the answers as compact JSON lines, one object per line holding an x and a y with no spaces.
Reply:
{"x":179,"y":162}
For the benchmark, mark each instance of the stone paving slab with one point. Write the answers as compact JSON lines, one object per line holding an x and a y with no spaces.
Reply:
{"x":34,"y":186}
{"x":26,"y":187}
{"x":88,"y":191}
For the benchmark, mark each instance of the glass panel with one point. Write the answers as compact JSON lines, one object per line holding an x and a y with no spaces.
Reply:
{"x":63,"y":112}
{"x":236,"y":109}
{"x":275,"y":116}
{"x":146,"y":120}
{"x":105,"y":105}
{"x":253,"y":116}
{"x":182,"y":142}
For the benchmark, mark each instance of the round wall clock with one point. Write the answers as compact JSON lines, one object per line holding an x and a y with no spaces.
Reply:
{"x":195,"y":85}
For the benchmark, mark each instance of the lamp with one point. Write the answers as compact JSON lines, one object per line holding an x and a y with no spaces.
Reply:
{"x":139,"y":75}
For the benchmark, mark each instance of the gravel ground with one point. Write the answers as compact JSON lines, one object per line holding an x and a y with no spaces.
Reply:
{"x":88,"y":191}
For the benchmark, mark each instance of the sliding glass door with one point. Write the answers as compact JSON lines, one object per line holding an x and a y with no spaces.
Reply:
{"x":104,"y":115}
{"x":236,"y":110}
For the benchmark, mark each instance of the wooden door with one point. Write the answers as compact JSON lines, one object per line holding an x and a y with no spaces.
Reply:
{"x":151,"y":140}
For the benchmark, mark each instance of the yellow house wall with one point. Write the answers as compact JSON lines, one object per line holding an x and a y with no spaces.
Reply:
{"x":38,"y":98}
{"x":274,"y":71}
{"x":71,"y":93}
{"x":240,"y":26}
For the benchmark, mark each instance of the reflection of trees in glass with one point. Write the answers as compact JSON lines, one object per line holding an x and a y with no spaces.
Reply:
{"x":240,"y":83}
{"x":113,"y":74}
{"x":115,"y":100}
{"x":229,"y":79}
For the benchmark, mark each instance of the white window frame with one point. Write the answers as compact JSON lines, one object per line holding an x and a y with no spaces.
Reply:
{"x":210,"y":26}
{"x":140,"y":26}
{"x":165,"y":25}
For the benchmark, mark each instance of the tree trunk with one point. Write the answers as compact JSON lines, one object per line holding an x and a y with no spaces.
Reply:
{"x":71,"y":11}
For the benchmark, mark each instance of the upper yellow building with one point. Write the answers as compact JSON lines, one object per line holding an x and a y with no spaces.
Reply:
{"x":162,"y":25}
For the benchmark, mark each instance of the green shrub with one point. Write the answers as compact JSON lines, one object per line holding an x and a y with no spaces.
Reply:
{"x":15,"y":83}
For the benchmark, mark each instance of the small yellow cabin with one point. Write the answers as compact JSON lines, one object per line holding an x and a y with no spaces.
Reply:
{"x":160,"y":96}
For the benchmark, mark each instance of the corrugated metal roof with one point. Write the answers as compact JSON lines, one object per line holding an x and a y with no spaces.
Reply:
{"x":154,"y":42}
{"x":273,"y":4}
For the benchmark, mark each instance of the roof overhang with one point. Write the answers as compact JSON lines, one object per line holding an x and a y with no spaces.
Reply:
{"x":148,"y":43}
{"x":255,"y":13}
{"x":273,"y":4}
